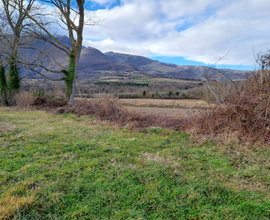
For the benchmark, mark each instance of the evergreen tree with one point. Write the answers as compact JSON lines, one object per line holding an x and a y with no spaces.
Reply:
{"x":3,"y":85}
{"x":14,"y":81}
{"x":144,"y":94}
{"x":3,"y":81}
{"x":69,"y":79}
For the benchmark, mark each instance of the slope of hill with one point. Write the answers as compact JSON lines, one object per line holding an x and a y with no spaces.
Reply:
{"x":93,"y":60}
{"x":155,"y":67}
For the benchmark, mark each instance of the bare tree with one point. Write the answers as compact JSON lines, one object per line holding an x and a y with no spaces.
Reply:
{"x":208,"y":78}
{"x":71,"y":13}
{"x":15,"y":13}
{"x":13,"y":16}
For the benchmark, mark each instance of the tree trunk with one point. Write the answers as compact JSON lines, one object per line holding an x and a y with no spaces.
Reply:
{"x":77,"y":60}
{"x":15,"y":46}
{"x":13,"y":75}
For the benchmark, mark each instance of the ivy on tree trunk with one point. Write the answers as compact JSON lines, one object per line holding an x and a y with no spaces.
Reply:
{"x":3,"y":86}
{"x":14,"y":81}
{"x":70,"y":75}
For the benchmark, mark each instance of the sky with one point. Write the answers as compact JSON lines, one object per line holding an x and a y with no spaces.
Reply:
{"x":184,"y":32}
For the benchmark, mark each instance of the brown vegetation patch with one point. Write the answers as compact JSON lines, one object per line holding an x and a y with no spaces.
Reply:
{"x":245,"y":115}
{"x":24,"y":99}
{"x":112,"y":110}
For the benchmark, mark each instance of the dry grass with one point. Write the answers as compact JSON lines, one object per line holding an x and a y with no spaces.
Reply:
{"x":24,"y":99}
{"x":172,"y":103}
{"x":168,"y":112}
{"x":11,"y":202}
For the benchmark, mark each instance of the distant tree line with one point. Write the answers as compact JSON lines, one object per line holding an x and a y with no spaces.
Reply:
{"x":105,"y":83}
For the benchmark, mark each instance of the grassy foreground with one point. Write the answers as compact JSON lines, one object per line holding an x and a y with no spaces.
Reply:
{"x":64,"y":167}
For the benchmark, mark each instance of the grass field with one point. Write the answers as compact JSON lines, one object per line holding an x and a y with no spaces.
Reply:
{"x":175,"y":80}
{"x":64,"y":167}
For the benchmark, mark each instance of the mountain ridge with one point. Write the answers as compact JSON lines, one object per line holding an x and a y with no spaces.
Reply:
{"x":155,"y":67}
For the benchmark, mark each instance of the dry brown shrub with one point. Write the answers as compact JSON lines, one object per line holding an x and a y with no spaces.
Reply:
{"x":58,"y":92}
{"x":24,"y":99}
{"x":244,"y":115}
{"x":104,"y":108}
{"x":45,"y":102}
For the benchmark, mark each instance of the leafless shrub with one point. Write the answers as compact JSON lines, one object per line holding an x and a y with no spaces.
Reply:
{"x":24,"y":99}
{"x":47,"y":102}
{"x":245,"y":114}
{"x":58,"y":92}
{"x":109,"y":109}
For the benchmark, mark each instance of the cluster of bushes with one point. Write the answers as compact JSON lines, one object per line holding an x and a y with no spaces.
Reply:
{"x":166,"y":95}
{"x":243,"y":115}
{"x":129,"y":96}
{"x":37,"y":99}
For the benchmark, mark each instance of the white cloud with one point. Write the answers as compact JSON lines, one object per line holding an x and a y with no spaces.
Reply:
{"x":111,"y":45}
{"x":200,"y":30}
{"x":103,"y":2}
{"x":175,"y":9}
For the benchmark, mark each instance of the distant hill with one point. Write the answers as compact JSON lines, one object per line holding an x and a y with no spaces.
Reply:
{"x":155,"y":67}
{"x":94,"y":60}
{"x":91,"y":60}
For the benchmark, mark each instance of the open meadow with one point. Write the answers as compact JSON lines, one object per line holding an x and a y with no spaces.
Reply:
{"x":69,"y":167}
{"x":171,"y":123}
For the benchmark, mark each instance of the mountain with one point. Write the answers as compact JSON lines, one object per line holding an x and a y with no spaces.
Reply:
{"x":93,"y":60}
{"x":94,"y":64}
{"x":155,"y":67}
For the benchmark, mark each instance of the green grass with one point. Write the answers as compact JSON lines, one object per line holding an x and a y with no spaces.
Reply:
{"x":64,"y":167}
